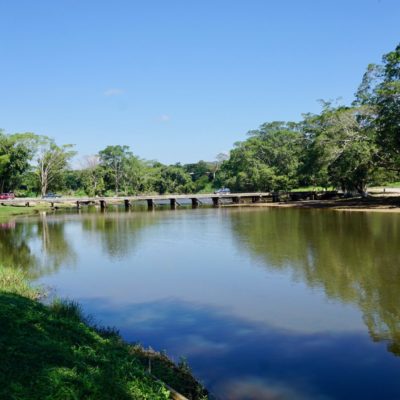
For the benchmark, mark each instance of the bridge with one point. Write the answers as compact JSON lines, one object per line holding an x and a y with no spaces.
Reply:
{"x":174,"y":200}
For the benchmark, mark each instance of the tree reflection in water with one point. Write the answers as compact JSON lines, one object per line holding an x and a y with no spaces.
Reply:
{"x":37,"y":245}
{"x":354,"y":256}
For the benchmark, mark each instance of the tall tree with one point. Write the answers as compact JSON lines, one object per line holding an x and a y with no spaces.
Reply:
{"x":52,"y":162}
{"x":341,"y":147}
{"x":114,"y":161}
{"x":16,"y":152}
{"x":92,"y":175}
{"x":219,"y":159}
{"x":380,"y":89}
{"x":268,"y":160}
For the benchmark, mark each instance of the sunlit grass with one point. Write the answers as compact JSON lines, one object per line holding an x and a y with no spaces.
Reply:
{"x":8,"y":211}
{"x":391,"y":185}
{"x":14,"y":280}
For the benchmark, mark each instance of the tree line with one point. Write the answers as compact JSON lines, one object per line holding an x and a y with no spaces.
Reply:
{"x":345,"y":147}
{"x":34,"y":165}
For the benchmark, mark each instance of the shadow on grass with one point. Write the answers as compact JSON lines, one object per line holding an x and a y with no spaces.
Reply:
{"x":49,"y":352}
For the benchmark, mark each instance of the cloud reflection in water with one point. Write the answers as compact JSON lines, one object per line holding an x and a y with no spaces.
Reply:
{"x":240,"y":360}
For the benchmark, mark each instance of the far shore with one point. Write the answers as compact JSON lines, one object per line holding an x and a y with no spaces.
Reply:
{"x":377,"y":201}
{"x":369,"y":204}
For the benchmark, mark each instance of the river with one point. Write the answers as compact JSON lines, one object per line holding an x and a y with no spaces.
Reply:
{"x":263,"y":303}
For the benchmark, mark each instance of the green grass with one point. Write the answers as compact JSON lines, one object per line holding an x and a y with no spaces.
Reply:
{"x":9,"y":211}
{"x":15,"y":281}
{"x":52,"y":352}
{"x":391,"y":185}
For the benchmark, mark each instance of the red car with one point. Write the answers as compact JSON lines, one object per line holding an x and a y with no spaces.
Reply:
{"x":7,"y":196}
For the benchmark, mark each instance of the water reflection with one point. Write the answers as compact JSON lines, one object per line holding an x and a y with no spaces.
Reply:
{"x":15,"y":250}
{"x":264,"y":303}
{"x":238,"y":359}
{"x":43,"y":244}
{"x":118,"y":232}
{"x":39,"y":246}
{"x":354,"y":256}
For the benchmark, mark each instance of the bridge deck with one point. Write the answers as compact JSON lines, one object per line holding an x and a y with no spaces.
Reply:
{"x":195,"y":198}
{"x":199,"y":196}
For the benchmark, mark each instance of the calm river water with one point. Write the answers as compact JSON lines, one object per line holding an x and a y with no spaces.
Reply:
{"x":263,"y":303}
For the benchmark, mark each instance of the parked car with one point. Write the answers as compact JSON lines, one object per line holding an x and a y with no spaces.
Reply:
{"x":7,"y":196}
{"x":223,"y":191}
{"x":51,"y":195}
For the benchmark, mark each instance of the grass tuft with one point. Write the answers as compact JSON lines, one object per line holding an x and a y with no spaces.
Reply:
{"x":14,"y":280}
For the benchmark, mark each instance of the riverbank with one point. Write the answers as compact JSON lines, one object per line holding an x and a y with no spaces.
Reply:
{"x":369,"y":204}
{"x":9,"y":211}
{"x":54,"y":352}
{"x":378,"y":201}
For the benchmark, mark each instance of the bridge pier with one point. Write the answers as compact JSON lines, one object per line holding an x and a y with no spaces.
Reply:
{"x":195,"y":202}
{"x":256,"y":199}
{"x":103,"y":205}
{"x":127,"y":204}
{"x":173,"y":204}
{"x":236,"y":200}
{"x":150,"y":204}
{"x":216,"y":201}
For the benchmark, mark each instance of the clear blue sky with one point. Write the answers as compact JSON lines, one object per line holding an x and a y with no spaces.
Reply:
{"x":180,"y":80}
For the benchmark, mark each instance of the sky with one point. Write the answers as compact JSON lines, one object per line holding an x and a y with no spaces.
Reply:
{"x":181,"y":81}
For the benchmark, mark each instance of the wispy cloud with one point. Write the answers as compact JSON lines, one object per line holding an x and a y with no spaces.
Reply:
{"x":113,"y":92}
{"x":164,"y":118}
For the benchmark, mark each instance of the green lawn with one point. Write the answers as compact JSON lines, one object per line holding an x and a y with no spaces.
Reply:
{"x":391,"y":185}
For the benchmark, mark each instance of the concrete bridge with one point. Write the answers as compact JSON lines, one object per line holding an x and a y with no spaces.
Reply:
{"x":151,"y":200}
{"x":174,"y":200}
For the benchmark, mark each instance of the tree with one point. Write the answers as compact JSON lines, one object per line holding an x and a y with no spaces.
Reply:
{"x":380,"y":89}
{"x":268,"y":160}
{"x":16,"y":152}
{"x":173,"y":179}
{"x":52,"y":162}
{"x":92,"y":175}
{"x":135,"y":180}
{"x":341,"y":149}
{"x":219,"y":159}
{"x":114,"y":161}
{"x":201,"y":174}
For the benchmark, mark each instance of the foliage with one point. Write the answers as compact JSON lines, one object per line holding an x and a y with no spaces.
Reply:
{"x":174,"y":179}
{"x":341,"y":147}
{"x":52,"y":162}
{"x":14,"y":281}
{"x":114,"y":161}
{"x":16,"y":151}
{"x":268,"y":160}
{"x":380,"y":89}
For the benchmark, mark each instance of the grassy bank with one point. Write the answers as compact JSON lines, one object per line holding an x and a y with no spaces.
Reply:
{"x":52,"y":352}
{"x":9,"y":211}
